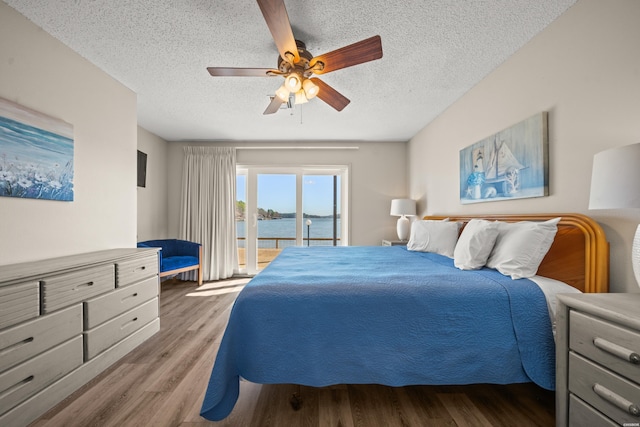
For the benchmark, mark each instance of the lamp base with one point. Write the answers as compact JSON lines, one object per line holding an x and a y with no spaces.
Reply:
{"x":403,"y":227}
{"x":635,"y":255}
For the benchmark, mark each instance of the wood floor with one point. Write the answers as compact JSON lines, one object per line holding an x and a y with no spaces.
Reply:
{"x":162,"y":383}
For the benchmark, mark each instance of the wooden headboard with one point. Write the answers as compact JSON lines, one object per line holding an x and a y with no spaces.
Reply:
{"x":578,"y":256}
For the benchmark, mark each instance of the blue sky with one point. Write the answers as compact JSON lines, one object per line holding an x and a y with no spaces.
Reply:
{"x":278,"y":192}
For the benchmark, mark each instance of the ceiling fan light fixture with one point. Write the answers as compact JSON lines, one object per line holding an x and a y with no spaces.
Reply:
{"x":310,"y":89}
{"x":283,"y":93}
{"x":301,"y":98}
{"x":293,"y":82}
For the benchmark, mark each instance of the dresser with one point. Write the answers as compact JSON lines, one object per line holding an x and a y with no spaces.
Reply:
{"x":598,"y":360}
{"x":65,"y":320}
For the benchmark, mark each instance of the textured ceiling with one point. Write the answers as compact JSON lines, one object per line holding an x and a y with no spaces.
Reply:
{"x":433,"y":52}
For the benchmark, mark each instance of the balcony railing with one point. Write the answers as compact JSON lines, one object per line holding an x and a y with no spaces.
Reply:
{"x":270,"y":247}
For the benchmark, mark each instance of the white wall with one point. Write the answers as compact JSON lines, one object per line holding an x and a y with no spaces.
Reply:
{"x":41,"y":73}
{"x":378,"y":174}
{"x":584,"y":69}
{"x":152,"y":199}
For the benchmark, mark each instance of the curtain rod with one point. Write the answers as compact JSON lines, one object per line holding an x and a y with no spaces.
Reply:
{"x":258,"y":147}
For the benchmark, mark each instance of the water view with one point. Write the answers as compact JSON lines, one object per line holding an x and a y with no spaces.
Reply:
{"x":275,"y":197}
{"x":280,"y":233}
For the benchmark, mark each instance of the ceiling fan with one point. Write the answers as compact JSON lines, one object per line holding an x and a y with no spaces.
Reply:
{"x":297,"y":65}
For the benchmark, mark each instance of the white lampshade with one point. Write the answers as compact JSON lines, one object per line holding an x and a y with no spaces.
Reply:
{"x":293,"y":82}
{"x":300,"y":97}
{"x":310,"y":88}
{"x":403,"y":208}
{"x":615,"y":184}
{"x":615,"y":178}
{"x":283,"y":93}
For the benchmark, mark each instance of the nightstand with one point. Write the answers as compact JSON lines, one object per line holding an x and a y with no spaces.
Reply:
{"x":393,"y":243}
{"x":598,"y":360}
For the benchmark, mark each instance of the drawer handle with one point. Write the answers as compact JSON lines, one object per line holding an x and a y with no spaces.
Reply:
{"x":616,"y":400}
{"x":15,"y":346}
{"x":84,"y":284}
{"x":15,"y":387}
{"x":132,"y":321}
{"x":133,"y":295}
{"x":617,"y":350}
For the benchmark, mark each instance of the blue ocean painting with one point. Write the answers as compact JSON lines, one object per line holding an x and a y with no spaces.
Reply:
{"x":36,"y":158}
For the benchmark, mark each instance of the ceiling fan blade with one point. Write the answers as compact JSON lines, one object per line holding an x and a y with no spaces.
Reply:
{"x":240,"y":72}
{"x":354,"y":54}
{"x":274,"y":105}
{"x":275,"y":14}
{"x":330,"y":95}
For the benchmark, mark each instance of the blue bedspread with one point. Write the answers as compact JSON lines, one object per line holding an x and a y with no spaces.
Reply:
{"x":380,"y":315}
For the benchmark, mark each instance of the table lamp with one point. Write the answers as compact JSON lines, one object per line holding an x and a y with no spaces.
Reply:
{"x":615,"y":184}
{"x":403,"y":208}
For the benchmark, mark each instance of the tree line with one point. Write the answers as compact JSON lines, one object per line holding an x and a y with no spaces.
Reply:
{"x":241,"y":209}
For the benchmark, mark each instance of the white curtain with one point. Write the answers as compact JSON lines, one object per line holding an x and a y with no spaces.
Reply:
{"x":207,"y":213}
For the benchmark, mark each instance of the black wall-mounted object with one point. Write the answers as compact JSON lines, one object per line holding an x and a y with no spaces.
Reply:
{"x":142,"y":169}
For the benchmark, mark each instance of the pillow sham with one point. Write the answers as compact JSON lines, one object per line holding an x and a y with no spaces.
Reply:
{"x":475,"y":244}
{"x":434,"y":236}
{"x":521,"y":246}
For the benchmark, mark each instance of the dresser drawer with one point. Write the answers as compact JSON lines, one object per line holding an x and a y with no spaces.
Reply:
{"x":26,"y":379}
{"x":583,"y":415}
{"x":134,"y":270}
{"x":66,"y":289}
{"x":104,"y":336}
{"x":606,"y":343}
{"x":105,"y":307}
{"x":35,"y":336}
{"x":609,"y":393}
{"x":18,"y":303}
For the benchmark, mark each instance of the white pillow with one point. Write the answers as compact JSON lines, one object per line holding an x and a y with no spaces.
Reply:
{"x":521,"y":246}
{"x":475,"y":244}
{"x":434,"y":236}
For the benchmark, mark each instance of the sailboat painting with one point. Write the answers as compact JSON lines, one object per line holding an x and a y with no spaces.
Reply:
{"x":511,"y":164}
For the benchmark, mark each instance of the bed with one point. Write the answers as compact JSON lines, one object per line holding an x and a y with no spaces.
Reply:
{"x":388,"y":315}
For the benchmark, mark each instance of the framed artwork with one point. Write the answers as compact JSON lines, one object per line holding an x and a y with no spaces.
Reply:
{"x":511,"y":164}
{"x":36,"y":154}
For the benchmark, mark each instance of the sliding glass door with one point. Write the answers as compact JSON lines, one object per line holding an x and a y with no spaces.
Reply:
{"x":241,"y":217}
{"x":276,"y":215}
{"x":321,"y":210}
{"x":280,"y":207}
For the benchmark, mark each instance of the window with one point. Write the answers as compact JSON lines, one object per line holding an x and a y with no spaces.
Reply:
{"x":280,"y":207}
